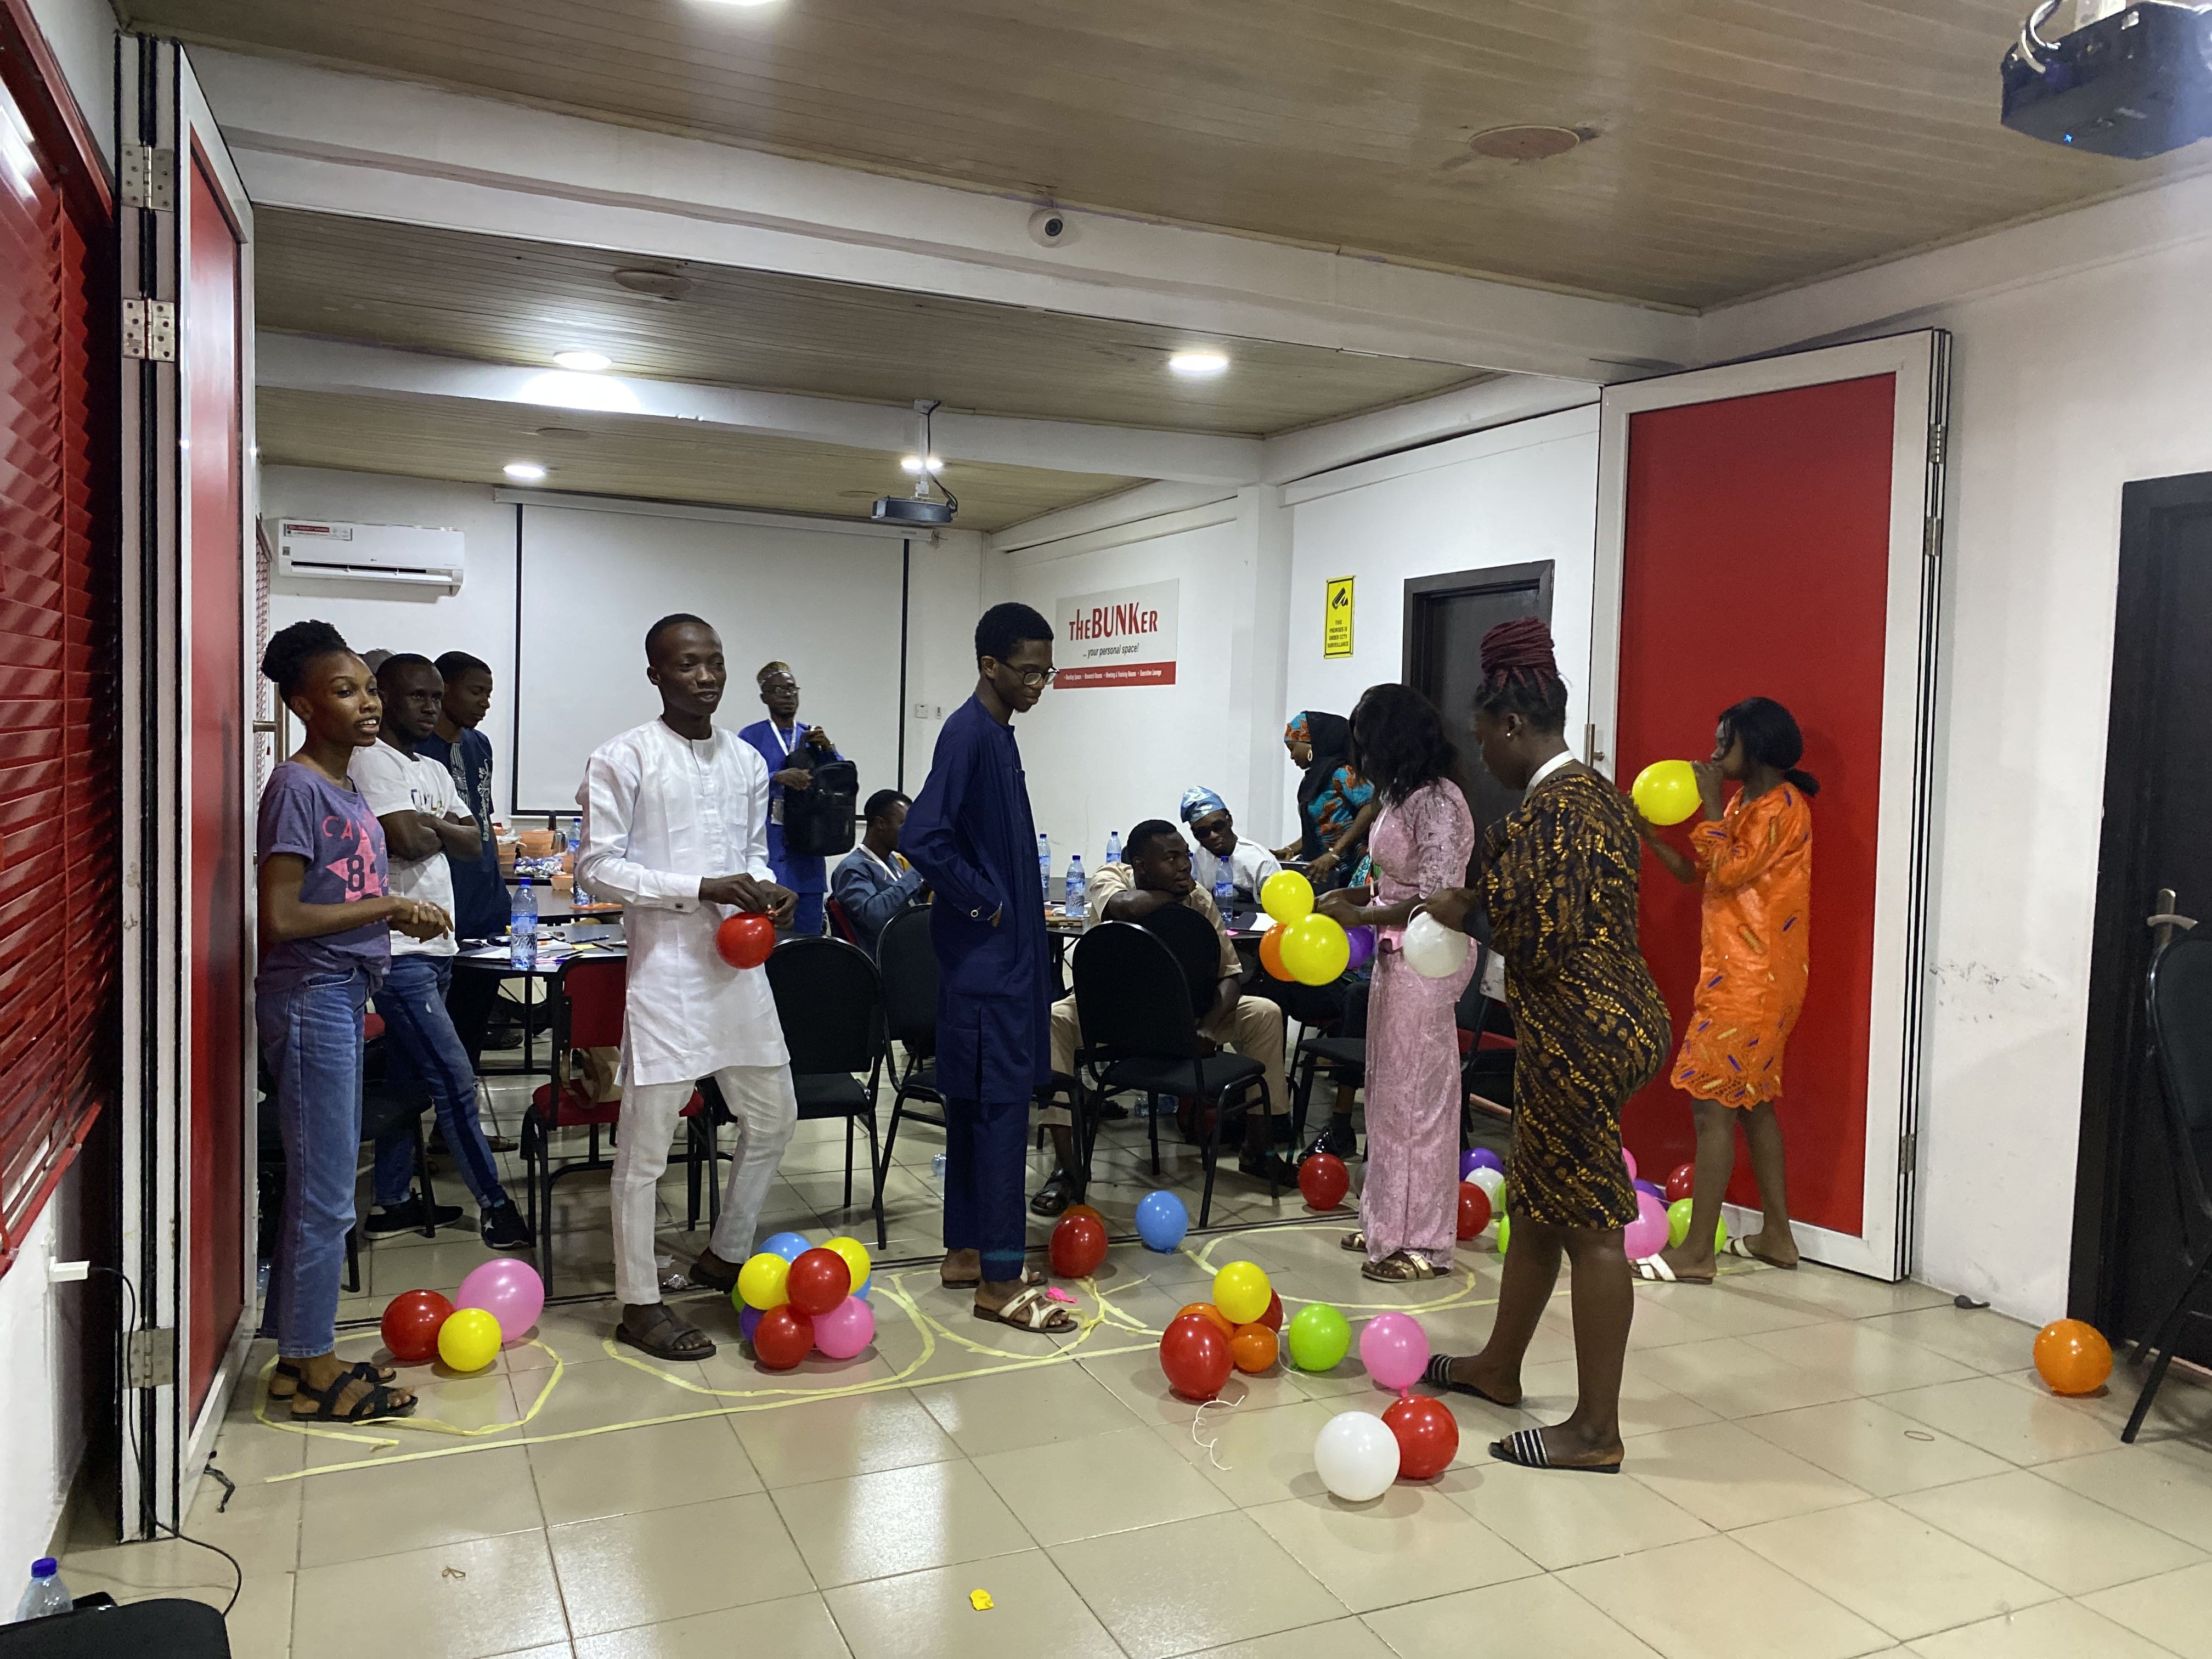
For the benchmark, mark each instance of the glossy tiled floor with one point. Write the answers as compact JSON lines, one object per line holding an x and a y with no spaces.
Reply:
{"x":1817,"y":1466}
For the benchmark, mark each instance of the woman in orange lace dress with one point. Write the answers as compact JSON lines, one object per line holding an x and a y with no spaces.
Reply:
{"x":1754,"y":855}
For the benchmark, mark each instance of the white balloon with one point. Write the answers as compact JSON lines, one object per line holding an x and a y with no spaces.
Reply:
{"x":1492,"y":1183}
{"x":1357,"y":1456}
{"x":1432,"y":950}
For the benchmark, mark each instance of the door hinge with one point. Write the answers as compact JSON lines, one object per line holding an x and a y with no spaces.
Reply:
{"x":1937,"y":437}
{"x":1908,"y":1151}
{"x":149,"y":1359}
{"x":1931,"y":538}
{"x":149,"y":178}
{"x":150,"y":329}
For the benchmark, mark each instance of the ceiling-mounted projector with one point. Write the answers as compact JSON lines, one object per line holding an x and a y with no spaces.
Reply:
{"x":2135,"y":84}
{"x":912,"y":510}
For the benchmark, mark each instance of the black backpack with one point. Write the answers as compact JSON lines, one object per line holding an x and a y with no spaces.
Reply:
{"x":818,"y":821}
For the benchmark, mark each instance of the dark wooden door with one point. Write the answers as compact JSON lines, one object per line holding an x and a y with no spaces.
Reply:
{"x":2128,"y":1240}
{"x":1446,"y":617}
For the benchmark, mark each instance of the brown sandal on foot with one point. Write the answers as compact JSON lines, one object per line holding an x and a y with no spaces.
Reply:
{"x":667,"y":1337}
{"x":1401,"y":1267}
{"x":1033,"y":1310}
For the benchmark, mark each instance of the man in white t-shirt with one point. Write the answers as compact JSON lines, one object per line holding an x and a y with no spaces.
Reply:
{"x":1248,"y":864}
{"x":415,"y":800}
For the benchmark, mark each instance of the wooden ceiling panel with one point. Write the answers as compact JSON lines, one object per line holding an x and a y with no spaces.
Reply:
{"x":1740,"y":145}
{"x":515,"y":302}
{"x":634,"y":456}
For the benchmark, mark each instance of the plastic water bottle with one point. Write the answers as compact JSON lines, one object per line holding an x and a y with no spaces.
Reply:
{"x":1225,"y":891}
{"x":936,"y":1166}
{"x":1113,"y":847}
{"x":1077,"y":903}
{"x":522,"y":928}
{"x":46,"y":1595}
{"x":1044,"y":860}
{"x":576,"y":896}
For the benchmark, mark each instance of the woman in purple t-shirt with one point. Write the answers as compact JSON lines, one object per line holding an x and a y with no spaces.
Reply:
{"x":325,"y":936}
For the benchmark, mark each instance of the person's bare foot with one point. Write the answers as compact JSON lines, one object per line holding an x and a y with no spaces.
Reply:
{"x":961,"y":1269}
{"x":1779,"y":1248}
{"x":1497,"y":1383}
{"x":1689,"y":1266}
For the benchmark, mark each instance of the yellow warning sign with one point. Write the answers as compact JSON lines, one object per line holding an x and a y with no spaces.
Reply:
{"x":1336,"y":622}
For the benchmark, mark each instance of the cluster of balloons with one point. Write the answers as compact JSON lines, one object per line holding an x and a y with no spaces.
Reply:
{"x":1358,"y":1455}
{"x":1482,"y":1179}
{"x":1666,"y":792}
{"x":744,"y":940}
{"x":2073,"y":1356}
{"x":497,"y":1303}
{"x":1304,"y":945}
{"x":1206,"y":1340}
{"x":792,"y":1297}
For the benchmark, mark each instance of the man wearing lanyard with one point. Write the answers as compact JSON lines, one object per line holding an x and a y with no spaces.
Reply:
{"x":675,"y":827}
{"x":480,"y":897}
{"x":874,"y":882}
{"x":790,"y":752}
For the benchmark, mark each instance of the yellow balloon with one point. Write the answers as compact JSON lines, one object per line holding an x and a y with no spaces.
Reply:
{"x":856,"y":1258}
{"x":1316,"y":950}
{"x":1286,"y":895}
{"x":1241,"y":1291}
{"x":469,"y":1340}
{"x":1666,"y":792}
{"x":761,"y":1279}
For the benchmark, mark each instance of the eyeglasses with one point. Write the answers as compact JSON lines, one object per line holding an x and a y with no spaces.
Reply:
{"x":1031,"y":678}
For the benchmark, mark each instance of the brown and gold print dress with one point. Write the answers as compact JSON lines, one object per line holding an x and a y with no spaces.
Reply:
{"x":1560,"y":881}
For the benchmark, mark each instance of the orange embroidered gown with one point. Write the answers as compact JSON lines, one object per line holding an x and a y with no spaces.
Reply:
{"x":1758,"y":861}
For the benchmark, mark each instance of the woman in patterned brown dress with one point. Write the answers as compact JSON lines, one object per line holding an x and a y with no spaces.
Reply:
{"x":1558,"y":879}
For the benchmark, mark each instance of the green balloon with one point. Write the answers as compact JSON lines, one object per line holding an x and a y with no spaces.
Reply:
{"x":1505,"y":1232}
{"x":1678,"y":1225}
{"x":1319,"y":1337}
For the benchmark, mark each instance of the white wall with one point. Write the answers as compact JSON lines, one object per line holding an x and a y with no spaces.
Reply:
{"x":481,"y":617}
{"x":81,"y":33}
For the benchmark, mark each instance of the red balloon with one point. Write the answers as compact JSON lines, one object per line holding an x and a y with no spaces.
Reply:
{"x":1680,"y":1182}
{"x":411,"y":1325}
{"x":1473,"y":1210}
{"x":819,"y":1280}
{"x":1078,"y":1245}
{"x":1324,"y":1181}
{"x":1428,"y":1436}
{"x":745,"y":939}
{"x":1196,"y":1357}
{"x":783,"y":1338}
{"x":1272,"y":1319}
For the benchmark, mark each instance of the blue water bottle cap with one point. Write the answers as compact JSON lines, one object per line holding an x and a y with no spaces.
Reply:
{"x":45,"y":1567}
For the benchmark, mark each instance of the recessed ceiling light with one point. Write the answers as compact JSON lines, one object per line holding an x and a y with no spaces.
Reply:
{"x":523,"y":471}
{"x":1531,"y":142}
{"x":660,"y":284}
{"x":743,"y":3}
{"x":583,"y":362}
{"x":1198,"y":364}
{"x":913,"y":463}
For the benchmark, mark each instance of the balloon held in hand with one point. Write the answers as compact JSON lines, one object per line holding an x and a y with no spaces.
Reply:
{"x":744,"y":940}
{"x":1666,"y":792}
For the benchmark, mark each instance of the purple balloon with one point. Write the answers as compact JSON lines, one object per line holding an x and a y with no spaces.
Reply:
{"x":1479,"y":1157}
{"x":509,"y":1291}
{"x":1394,"y":1349}
{"x":749,"y":1318}
{"x":1643,"y":1186}
{"x":1362,"y":945}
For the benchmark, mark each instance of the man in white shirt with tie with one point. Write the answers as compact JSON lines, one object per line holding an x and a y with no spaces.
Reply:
{"x":669,"y":807}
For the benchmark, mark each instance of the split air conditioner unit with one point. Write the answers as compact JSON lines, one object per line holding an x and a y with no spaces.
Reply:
{"x":324,"y":550}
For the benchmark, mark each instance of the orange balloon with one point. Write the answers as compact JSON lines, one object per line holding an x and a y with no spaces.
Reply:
{"x":1271,"y":953}
{"x":2073,"y":1356}
{"x":1208,"y":1310}
{"x":1086,"y":1209}
{"x":1253,"y":1347}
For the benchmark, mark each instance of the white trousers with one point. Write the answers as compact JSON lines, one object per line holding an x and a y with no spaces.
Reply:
{"x":760,"y":1098}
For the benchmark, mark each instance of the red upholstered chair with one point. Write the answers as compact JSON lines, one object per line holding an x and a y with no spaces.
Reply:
{"x":840,"y":925}
{"x":587,"y":1013}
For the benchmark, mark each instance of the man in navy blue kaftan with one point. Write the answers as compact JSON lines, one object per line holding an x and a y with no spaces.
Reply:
{"x":970,"y":834}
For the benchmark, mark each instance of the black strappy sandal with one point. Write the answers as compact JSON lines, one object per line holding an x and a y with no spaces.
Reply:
{"x":1438,"y":1375}
{"x":377,"y":1402}
{"x":1525,"y":1447}
{"x":701,"y":1275}
{"x":287,"y":1373}
{"x":661,"y":1344}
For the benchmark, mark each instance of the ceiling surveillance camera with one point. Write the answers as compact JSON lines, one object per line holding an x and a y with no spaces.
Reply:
{"x":1050,"y":227}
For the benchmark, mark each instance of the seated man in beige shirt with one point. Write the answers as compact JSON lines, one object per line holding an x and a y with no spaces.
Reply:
{"x":1158,"y":873}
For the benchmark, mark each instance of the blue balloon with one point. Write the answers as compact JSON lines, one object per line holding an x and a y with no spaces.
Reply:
{"x":1479,"y":1157}
{"x":865,"y":1288}
{"x":1162,"y":1221}
{"x":789,"y":1246}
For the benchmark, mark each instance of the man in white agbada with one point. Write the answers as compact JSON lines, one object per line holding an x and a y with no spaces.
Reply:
{"x":675,"y":827}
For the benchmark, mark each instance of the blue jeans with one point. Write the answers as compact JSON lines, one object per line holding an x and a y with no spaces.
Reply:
{"x":423,"y":1048}
{"x":311,"y":1036}
{"x":986,"y":1161}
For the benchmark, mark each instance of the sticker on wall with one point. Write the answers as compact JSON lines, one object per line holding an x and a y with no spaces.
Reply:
{"x":1124,"y":636}
{"x":1336,"y":621}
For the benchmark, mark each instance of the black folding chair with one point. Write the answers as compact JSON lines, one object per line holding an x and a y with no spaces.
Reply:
{"x":1140,"y":1031}
{"x":829,"y":1001}
{"x":2179,"y":996}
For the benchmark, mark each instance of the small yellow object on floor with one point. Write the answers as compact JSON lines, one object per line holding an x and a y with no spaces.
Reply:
{"x":980,"y":1600}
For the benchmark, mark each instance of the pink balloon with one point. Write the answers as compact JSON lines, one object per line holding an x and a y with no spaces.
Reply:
{"x":509,"y":1291}
{"x":1629,"y":1159}
{"x":1394,"y":1349}
{"x":1647,"y":1233}
{"x":845,"y":1329}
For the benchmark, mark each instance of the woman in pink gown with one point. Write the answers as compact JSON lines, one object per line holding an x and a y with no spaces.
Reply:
{"x":1421,"y":841}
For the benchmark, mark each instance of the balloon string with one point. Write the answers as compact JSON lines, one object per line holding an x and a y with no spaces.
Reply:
{"x":1198,"y":1416}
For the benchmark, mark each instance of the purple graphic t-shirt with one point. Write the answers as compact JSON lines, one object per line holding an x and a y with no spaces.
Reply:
{"x":328,"y":824}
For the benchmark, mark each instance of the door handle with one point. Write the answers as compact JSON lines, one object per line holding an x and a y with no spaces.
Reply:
{"x":2165,"y":921}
